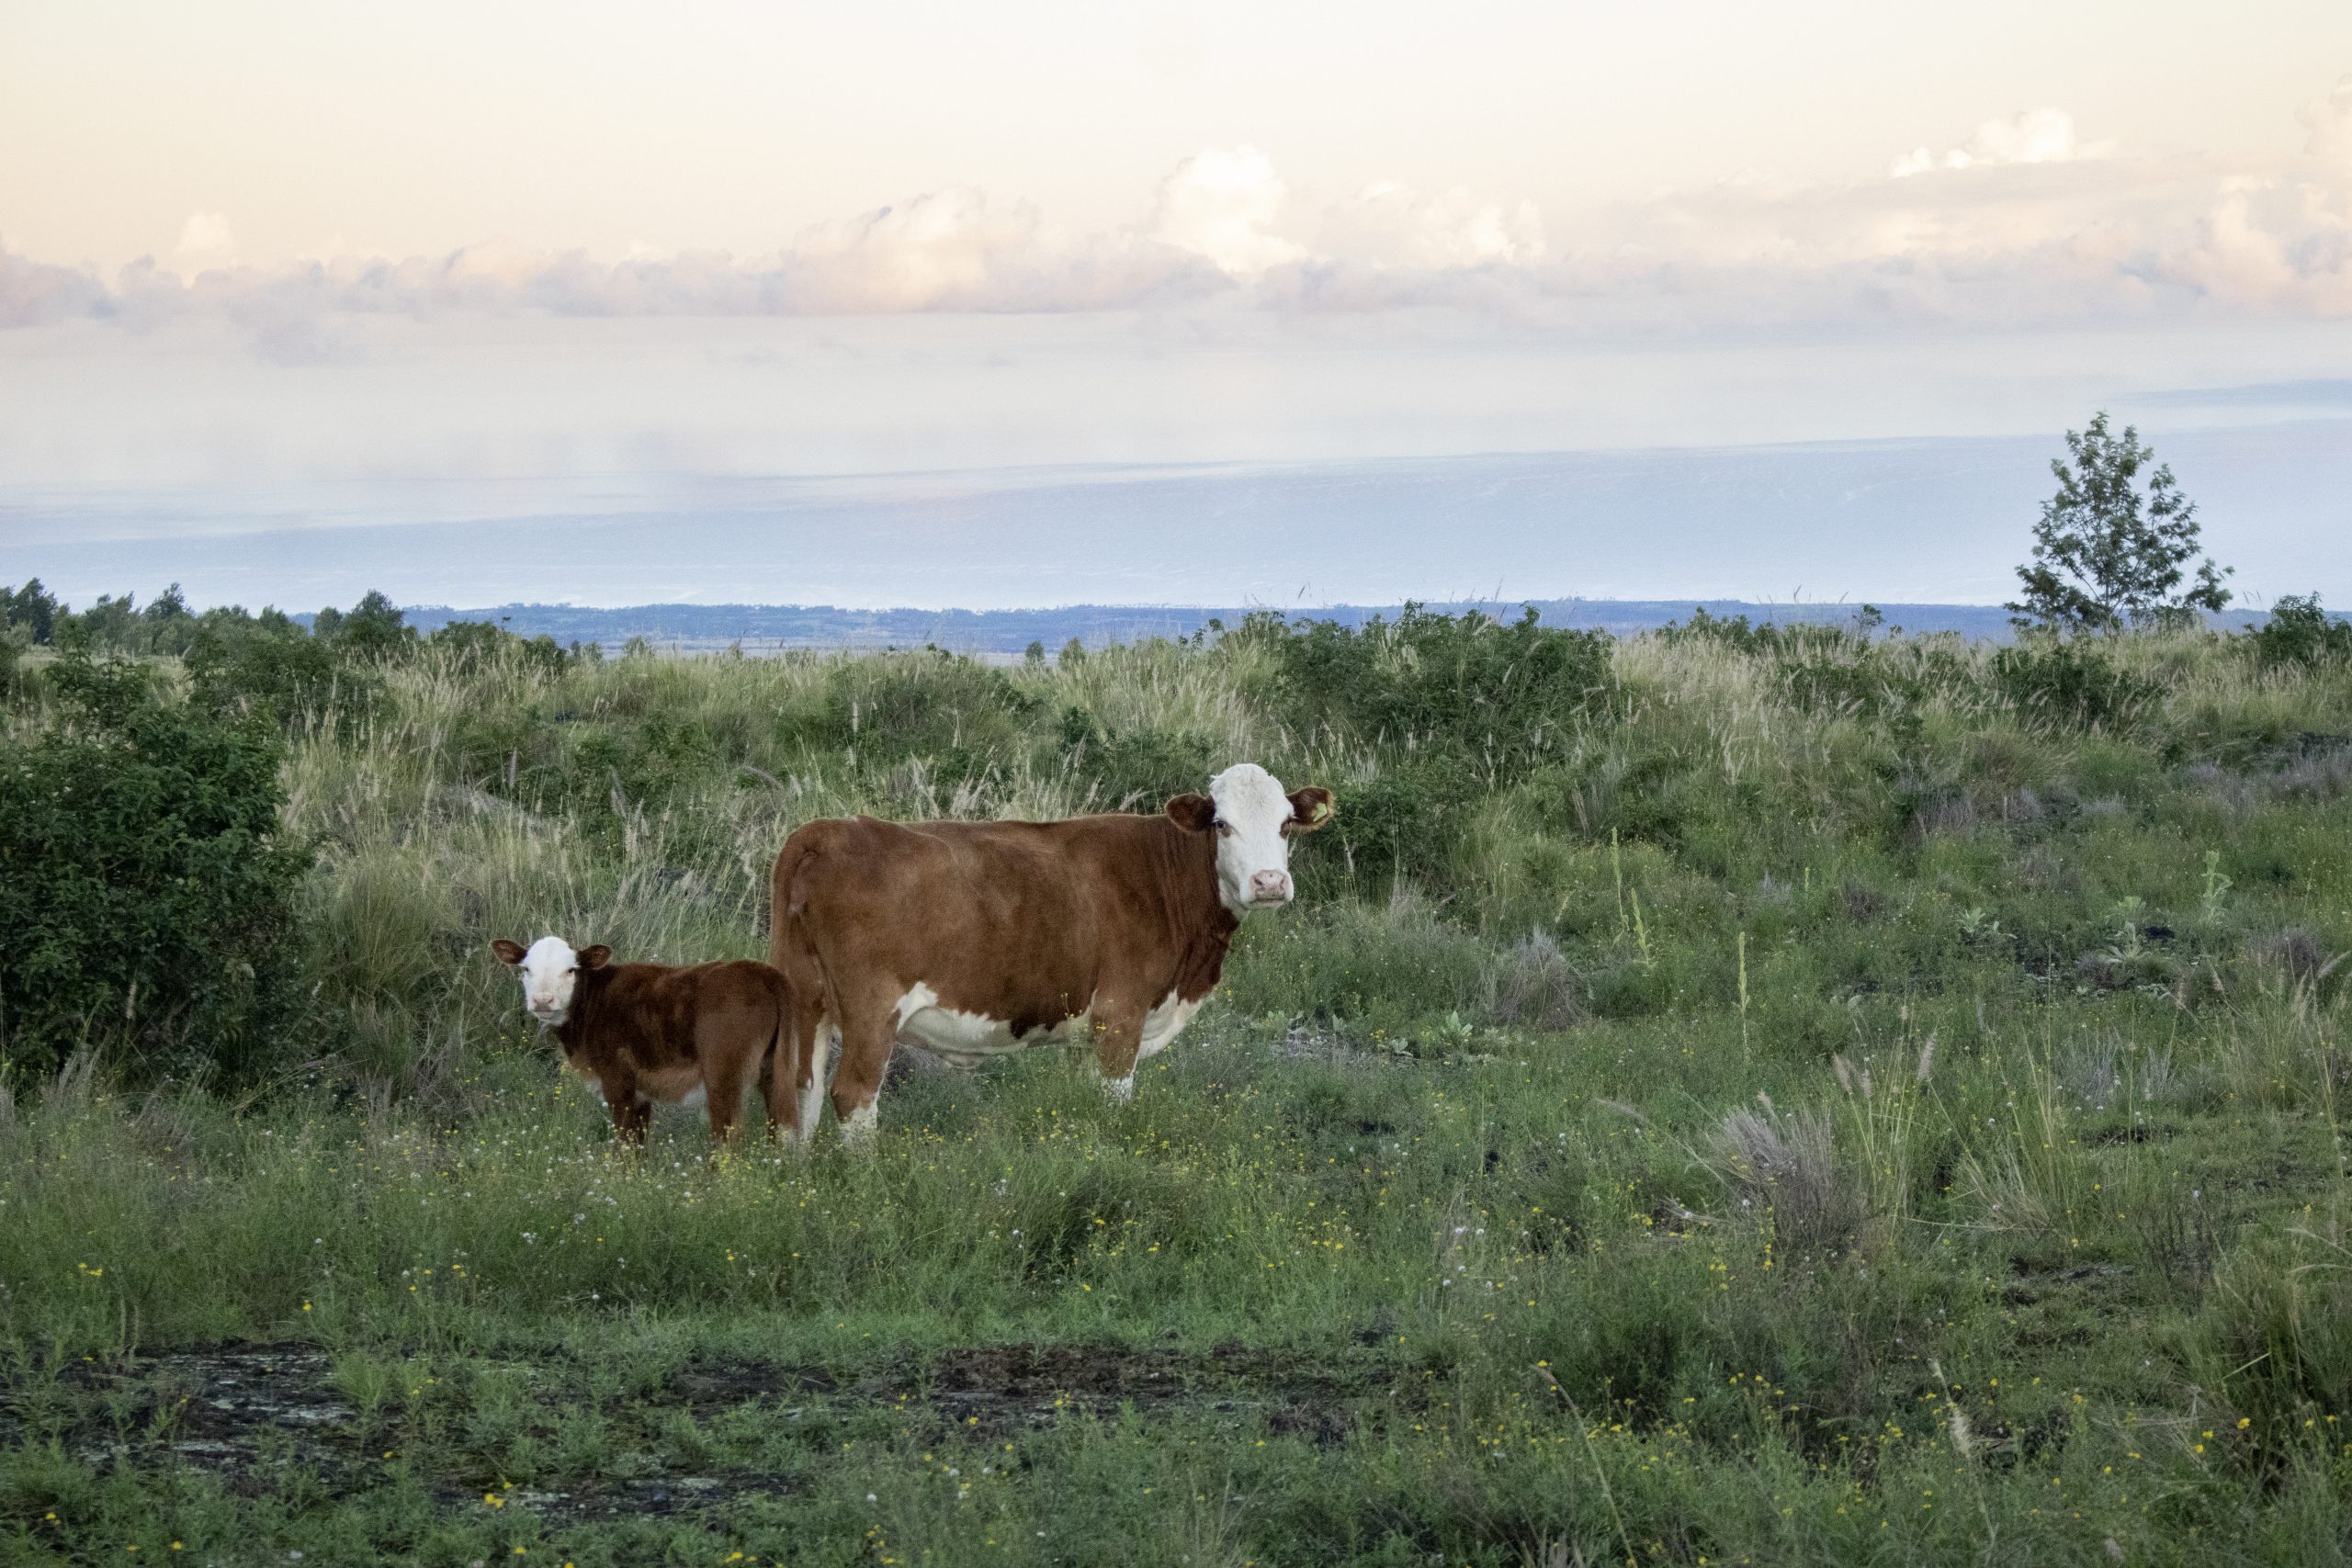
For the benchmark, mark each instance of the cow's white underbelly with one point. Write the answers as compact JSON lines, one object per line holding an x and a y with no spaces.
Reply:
{"x":1160,"y":1024}
{"x":967,"y":1039}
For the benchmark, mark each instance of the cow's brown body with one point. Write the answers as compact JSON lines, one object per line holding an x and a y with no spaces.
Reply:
{"x":648,"y":1031}
{"x":1000,"y":934}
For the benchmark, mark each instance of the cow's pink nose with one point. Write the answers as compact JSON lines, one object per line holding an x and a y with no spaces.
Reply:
{"x":1270,"y":888}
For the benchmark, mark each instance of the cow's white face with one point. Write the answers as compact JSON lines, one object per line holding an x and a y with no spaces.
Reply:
{"x":1253,"y":820}
{"x":551,"y":970}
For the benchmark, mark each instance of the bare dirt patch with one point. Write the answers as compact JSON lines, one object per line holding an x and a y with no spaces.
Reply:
{"x":267,"y":1419}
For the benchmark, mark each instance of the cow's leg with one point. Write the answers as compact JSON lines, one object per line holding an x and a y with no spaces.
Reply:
{"x":824,"y":1039}
{"x":1118,"y":1032}
{"x":868,"y":1029}
{"x":779,"y":1074}
{"x":779,"y":1091}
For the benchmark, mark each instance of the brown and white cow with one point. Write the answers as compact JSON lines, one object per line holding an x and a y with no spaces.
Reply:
{"x":646,"y":1031}
{"x":973,"y":939}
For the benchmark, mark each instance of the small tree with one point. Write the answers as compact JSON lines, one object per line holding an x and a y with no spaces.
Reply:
{"x":31,"y":607}
{"x":370,"y":629}
{"x":2108,"y":553}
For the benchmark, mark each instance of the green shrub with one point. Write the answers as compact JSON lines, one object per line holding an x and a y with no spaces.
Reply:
{"x":468,"y":645}
{"x":148,"y":890}
{"x":2074,"y":684}
{"x":268,"y":665}
{"x":932,"y":705}
{"x":1404,"y":820}
{"x":1465,"y":684}
{"x":1135,"y":770}
{"x":2300,"y":634}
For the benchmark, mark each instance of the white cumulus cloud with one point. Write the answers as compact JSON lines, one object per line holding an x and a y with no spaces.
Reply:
{"x":1389,"y":224}
{"x":1222,"y":205}
{"x":205,"y":241}
{"x":2030,"y":136}
{"x":2329,"y":122}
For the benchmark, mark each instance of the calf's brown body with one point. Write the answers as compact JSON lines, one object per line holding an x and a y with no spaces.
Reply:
{"x":648,"y":1031}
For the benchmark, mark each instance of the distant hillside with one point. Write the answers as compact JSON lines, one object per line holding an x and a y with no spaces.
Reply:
{"x":700,"y":627}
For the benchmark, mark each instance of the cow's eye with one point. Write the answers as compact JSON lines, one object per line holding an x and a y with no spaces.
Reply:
{"x":1223,"y":829}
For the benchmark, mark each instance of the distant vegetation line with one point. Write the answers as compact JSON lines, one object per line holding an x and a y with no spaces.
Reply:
{"x":1011,"y":631}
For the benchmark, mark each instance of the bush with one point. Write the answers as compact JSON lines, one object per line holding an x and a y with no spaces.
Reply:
{"x":931,"y":704}
{"x":147,"y":893}
{"x":1464,"y":684}
{"x":2071,"y":684}
{"x":2300,"y":634}
{"x":269,"y":665}
{"x":1135,"y":770}
{"x":469,"y":644}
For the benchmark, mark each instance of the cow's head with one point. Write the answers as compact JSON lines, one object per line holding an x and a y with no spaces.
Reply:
{"x":550,"y":974}
{"x":1253,"y":820}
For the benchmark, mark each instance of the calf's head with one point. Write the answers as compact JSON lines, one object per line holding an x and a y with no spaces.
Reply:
{"x":550,"y":974}
{"x":1253,"y":821}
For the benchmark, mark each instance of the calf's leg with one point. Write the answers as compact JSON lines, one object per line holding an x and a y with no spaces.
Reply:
{"x":730,"y":1041}
{"x":632,"y":1112}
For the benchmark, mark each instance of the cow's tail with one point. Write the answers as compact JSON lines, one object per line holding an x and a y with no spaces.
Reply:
{"x":792,"y":949}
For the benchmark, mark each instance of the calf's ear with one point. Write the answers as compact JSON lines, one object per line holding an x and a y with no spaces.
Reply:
{"x":1194,"y":813}
{"x":1310,"y":810}
{"x":508,"y":952}
{"x":595,"y":957}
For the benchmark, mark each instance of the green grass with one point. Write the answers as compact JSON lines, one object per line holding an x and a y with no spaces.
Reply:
{"x":1815,"y":1106}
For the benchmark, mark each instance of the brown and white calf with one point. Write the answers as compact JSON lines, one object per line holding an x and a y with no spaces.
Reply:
{"x":972,"y":939}
{"x":646,"y":1031}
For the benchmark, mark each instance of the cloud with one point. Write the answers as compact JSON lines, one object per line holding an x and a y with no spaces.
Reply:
{"x":1220,"y":206}
{"x":35,"y":294}
{"x":2025,"y":222}
{"x":2030,"y":136}
{"x":1390,"y":225}
{"x":205,"y":241}
{"x":2328,"y":121}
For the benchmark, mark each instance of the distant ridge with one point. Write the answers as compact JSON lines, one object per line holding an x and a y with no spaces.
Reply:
{"x":708,"y":627}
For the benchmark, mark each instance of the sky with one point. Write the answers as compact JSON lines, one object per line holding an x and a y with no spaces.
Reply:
{"x":944,"y":305}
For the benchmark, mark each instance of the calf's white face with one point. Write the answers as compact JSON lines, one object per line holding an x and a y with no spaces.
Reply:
{"x":1253,"y":820}
{"x":551,"y":970}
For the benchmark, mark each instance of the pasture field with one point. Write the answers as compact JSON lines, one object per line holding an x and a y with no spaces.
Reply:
{"x":1724,"y":1097}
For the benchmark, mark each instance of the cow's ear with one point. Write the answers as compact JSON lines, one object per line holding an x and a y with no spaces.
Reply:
{"x":1194,"y":813}
{"x":1310,"y":810}
{"x":595,"y":957}
{"x":508,"y":952}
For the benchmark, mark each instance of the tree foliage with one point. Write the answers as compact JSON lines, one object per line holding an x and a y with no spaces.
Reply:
{"x":2109,"y":551}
